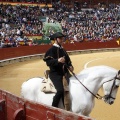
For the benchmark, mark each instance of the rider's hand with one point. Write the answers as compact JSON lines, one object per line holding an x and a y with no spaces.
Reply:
{"x":61,"y":60}
{"x":71,"y":68}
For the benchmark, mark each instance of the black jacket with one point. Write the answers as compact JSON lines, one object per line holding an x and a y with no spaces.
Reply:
{"x":51,"y":59}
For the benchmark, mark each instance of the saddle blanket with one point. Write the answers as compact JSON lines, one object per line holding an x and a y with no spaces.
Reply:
{"x":47,"y":86}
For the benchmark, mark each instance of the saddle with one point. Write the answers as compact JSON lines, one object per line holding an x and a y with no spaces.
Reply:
{"x":47,"y":85}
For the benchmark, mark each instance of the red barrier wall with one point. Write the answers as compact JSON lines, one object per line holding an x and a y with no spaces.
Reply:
{"x":15,"y":108}
{"x":6,"y":53}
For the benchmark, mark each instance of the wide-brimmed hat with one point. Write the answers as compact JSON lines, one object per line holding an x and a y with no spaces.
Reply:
{"x":56,"y":35}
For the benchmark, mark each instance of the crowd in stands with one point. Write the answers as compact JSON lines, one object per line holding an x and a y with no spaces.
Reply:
{"x":101,"y":23}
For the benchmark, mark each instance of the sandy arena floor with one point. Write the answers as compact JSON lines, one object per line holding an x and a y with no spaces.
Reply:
{"x":12,"y":76}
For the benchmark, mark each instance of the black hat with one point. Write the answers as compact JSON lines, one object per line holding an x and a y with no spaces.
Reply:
{"x":56,"y":35}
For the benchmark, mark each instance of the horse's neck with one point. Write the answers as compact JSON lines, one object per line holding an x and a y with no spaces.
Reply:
{"x":92,"y":85}
{"x":86,"y":84}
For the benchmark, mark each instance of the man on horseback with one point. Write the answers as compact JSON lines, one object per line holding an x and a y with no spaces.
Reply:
{"x":59,"y":62}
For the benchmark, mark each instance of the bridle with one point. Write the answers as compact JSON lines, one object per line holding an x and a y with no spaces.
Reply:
{"x":109,"y":96}
{"x":99,"y":97}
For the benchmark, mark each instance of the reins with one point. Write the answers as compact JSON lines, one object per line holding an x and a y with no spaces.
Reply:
{"x":96,"y":96}
{"x":99,"y":97}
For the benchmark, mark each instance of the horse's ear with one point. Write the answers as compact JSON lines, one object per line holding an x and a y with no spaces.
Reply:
{"x":118,"y":75}
{"x":118,"y":72}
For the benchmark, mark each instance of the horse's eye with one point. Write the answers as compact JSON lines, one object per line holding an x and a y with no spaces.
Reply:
{"x":116,"y":86}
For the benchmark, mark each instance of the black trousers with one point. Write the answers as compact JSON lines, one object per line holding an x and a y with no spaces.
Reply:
{"x":57,"y":81}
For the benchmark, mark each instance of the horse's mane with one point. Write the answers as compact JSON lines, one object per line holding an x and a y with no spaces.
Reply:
{"x":93,"y":71}
{"x":88,"y":69}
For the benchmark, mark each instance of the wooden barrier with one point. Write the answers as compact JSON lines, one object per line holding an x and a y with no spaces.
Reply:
{"x":29,"y":53}
{"x":6,"y":53}
{"x":2,"y":110}
{"x":15,"y":108}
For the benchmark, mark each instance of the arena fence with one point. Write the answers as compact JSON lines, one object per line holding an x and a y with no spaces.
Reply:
{"x":40,"y":56}
{"x":16,"y":108}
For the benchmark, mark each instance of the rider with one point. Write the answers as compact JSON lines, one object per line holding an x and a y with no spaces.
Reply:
{"x":56,"y":58}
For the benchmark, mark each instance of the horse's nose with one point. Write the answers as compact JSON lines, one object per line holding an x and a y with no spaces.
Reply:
{"x":111,"y":102}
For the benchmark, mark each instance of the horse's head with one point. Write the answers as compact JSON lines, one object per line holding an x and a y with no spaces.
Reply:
{"x":110,"y":89}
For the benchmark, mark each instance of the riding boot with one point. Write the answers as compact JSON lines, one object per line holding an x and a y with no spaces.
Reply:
{"x":55,"y":102}
{"x":67,"y":100}
{"x":66,"y":94}
{"x":56,"y":98}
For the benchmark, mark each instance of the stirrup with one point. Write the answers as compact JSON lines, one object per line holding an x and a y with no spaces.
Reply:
{"x":46,"y":73}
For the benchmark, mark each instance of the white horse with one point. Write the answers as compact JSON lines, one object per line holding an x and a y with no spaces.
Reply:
{"x":83,"y":89}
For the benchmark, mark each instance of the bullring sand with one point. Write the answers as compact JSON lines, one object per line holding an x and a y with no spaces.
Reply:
{"x":12,"y":76}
